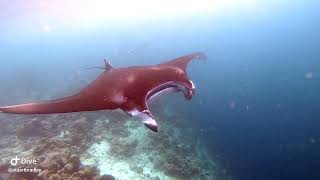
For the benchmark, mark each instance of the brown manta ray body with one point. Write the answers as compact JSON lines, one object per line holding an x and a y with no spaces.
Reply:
{"x":125,"y":88}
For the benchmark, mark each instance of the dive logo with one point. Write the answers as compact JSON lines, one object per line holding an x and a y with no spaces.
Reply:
{"x":16,"y":160}
{"x":23,"y":161}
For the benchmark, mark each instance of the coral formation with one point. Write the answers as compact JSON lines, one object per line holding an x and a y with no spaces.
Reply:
{"x":123,"y":147}
{"x":32,"y":128}
{"x":57,"y":157}
{"x":179,"y":160}
{"x":141,"y":154}
{"x":103,"y":145}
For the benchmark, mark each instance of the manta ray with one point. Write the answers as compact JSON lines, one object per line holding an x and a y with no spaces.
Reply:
{"x":127,"y":88}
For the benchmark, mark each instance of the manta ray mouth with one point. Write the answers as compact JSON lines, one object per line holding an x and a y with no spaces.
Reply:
{"x":172,"y":86}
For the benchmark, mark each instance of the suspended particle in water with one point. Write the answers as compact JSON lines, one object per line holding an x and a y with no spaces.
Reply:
{"x":200,"y":102}
{"x":278,"y":106}
{"x":312,"y":140}
{"x":232,"y":104}
{"x":309,"y":75}
{"x":46,"y":28}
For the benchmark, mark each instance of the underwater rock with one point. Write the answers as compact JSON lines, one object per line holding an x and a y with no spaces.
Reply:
{"x":69,"y":168}
{"x":123,"y":146}
{"x":33,"y":128}
{"x":75,"y":159}
{"x":54,"y":177}
{"x":183,"y":167}
{"x":81,"y":125}
{"x":137,"y":169}
{"x":57,"y":157}
{"x":120,"y":132}
{"x":108,"y":177}
{"x":180,"y":160}
{"x":79,"y":133}
{"x":49,"y":124}
{"x":157,"y":163}
{"x":130,"y":151}
{"x":59,"y":164}
{"x":155,"y":178}
{"x":4,"y":165}
{"x":46,"y":145}
{"x":6,"y":128}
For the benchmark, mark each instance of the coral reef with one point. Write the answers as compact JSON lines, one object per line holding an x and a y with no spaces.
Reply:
{"x":104,"y":145}
{"x":123,"y":147}
{"x":32,"y":128}
{"x":179,"y":166}
{"x":60,"y":165}
{"x":79,"y":133}
{"x":141,"y":154}
{"x":179,"y":160}
{"x":57,"y":156}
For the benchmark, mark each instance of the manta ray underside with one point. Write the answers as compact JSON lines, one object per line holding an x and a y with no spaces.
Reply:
{"x":127,"y":89}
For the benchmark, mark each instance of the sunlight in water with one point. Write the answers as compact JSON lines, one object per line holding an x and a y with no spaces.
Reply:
{"x":94,"y":11}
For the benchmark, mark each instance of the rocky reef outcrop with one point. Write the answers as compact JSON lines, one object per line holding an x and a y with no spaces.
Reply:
{"x":56,"y":142}
{"x":102,"y":146}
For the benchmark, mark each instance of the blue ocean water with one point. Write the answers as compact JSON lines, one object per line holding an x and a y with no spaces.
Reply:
{"x":257,"y":99}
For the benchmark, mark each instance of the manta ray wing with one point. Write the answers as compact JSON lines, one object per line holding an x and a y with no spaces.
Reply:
{"x":64,"y":105}
{"x":127,"y":89}
{"x":182,"y":62}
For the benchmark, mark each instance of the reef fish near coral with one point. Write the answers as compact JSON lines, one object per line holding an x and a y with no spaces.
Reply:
{"x":127,"y":89}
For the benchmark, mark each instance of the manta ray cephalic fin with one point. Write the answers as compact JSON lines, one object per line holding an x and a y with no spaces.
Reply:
{"x":149,"y":121}
{"x":146,"y":118}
